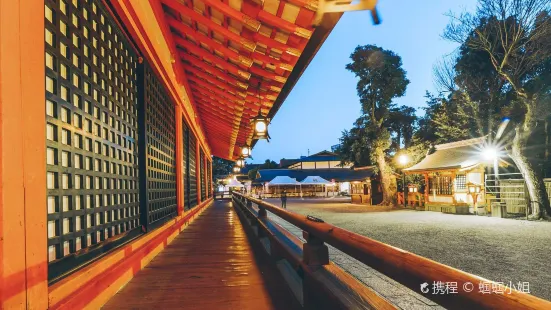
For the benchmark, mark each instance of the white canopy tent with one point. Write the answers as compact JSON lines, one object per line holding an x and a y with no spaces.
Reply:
{"x":234,"y":183}
{"x":314,"y":180}
{"x":283,"y":180}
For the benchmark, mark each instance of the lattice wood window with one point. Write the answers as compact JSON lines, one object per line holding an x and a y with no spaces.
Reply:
{"x":441,"y":185}
{"x":158,"y":158}
{"x":92,"y":172}
{"x":203,"y":176}
{"x":461,"y":182}
{"x":192,"y":176}
{"x":185,"y":158}
{"x":209,"y":179}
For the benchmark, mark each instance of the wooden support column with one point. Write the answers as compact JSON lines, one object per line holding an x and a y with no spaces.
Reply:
{"x":179,"y":161}
{"x":453,"y":186}
{"x":198,"y":170}
{"x":427,"y":188}
{"x":23,"y":233}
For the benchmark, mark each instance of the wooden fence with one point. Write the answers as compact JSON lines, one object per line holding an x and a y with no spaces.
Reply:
{"x":407,"y":268}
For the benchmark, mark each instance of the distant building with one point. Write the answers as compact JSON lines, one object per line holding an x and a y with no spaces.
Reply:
{"x":321,"y":160}
{"x":327,"y":165}
{"x":447,"y":173}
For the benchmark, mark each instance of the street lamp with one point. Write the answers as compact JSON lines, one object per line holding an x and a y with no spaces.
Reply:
{"x":260,"y":127}
{"x":403,"y":160}
{"x":491,"y":153}
{"x":246,"y":151}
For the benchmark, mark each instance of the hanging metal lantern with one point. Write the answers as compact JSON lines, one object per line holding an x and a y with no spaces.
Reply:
{"x":246,"y":151}
{"x":260,"y":123}
{"x":260,"y":127}
{"x":236,"y":169}
{"x":240,"y":163}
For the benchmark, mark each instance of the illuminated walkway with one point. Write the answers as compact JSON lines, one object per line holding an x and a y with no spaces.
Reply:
{"x":211,"y":265}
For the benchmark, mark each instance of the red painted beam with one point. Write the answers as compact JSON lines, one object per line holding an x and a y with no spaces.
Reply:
{"x":218,"y":98}
{"x":228,"y":11}
{"x":311,"y":5}
{"x":212,"y":59}
{"x":222,"y":84}
{"x":233,"y":99}
{"x":208,"y":102}
{"x":184,"y":10}
{"x":271,"y":43}
{"x":186,"y":30}
{"x":245,"y":60}
{"x":282,"y":24}
{"x":215,"y":72}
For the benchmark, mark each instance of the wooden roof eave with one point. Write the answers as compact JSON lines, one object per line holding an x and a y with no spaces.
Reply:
{"x":319,"y":36}
{"x":433,"y":170}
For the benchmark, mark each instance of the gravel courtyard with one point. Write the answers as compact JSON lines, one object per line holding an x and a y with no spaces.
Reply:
{"x":501,"y":250}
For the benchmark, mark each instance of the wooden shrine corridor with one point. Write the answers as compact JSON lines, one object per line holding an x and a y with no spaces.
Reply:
{"x":210,"y":265}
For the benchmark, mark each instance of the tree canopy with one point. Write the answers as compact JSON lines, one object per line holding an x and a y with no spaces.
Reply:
{"x":381,"y":78}
{"x":502,"y":69}
{"x":221,"y":166}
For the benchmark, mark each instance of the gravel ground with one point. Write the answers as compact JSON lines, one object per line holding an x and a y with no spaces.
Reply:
{"x":501,"y":250}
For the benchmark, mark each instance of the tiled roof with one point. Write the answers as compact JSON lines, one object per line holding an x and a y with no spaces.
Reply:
{"x":339,"y":175}
{"x":455,"y":155}
{"x":321,"y":156}
{"x":284,"y":163}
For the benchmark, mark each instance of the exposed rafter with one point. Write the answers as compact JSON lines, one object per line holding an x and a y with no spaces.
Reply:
{"x":236,"y":58}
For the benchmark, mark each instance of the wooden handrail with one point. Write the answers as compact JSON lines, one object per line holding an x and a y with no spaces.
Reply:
{"x":315,"y":286}
{"x":410,"y":269}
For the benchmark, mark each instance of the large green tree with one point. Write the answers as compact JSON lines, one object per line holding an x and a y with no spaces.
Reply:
{"x":221,"y":166}
{"x":268,"y":164}
{"x":515,"y":36}
{"x":381,"y":78}
{"x":354,"y":146}
{"x":402,"y":123}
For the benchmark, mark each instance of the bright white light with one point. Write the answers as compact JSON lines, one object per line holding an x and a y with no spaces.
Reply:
{"x":489,"y":153}
{"x":245,"y":151}
{"x":403,"y":159}
{"x":260,"y":126}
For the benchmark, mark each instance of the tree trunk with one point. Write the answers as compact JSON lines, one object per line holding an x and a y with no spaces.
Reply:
{"x":388,"y":183}
{"x":534,"y":183}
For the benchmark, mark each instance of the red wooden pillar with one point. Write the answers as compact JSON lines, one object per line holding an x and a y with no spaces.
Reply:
{"x":23,"y":242}
{"x":179,"y":161}
{"x":198,"y":171}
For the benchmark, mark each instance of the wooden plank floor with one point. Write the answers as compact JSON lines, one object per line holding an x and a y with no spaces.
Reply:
{"x":210,"y":265}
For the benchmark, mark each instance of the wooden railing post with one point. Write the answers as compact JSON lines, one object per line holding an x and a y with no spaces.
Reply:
{"x":315,"y":252}
{"x":262,"y":212}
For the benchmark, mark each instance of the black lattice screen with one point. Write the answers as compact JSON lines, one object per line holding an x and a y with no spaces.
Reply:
{"x":157,"y":147}
{"x":192,"y":144}
{"x":209,"y":181}
{"x":203,"y":176}
{"x":185,"y":158}
{"x":91,"y":114}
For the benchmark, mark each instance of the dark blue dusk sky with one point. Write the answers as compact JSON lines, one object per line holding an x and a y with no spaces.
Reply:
{"x":324,"y":101}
